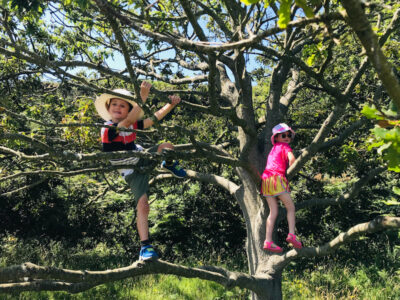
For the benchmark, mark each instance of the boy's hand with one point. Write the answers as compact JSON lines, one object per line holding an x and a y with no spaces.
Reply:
{"x":145,"y":90}
{"x":174,"y":99}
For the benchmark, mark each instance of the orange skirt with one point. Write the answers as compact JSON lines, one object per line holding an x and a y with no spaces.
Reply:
{"x":274,"y":185}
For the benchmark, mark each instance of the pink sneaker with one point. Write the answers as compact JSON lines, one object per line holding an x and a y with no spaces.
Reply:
{"x":291,"y":238}
{"x":268,"y":246}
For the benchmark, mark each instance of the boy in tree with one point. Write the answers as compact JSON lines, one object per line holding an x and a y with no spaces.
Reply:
{"x":125,"y":113}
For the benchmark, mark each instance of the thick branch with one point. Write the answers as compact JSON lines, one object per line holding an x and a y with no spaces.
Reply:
{"x":357,"y":76}
{"x":192,"y":19}
{"x":378,"y":224}
{"x":50,"y":278}
{"x":214,"y":179}
{"x":360,"y":24}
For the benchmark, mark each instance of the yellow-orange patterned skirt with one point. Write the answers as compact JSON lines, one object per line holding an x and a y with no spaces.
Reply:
{"x":274,"y":185}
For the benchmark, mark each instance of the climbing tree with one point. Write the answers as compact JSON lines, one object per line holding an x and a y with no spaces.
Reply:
{"x":327,"y":68}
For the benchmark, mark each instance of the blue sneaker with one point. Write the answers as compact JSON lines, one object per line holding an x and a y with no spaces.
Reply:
{"x":175,"y":169}
{"x":147,"y":253}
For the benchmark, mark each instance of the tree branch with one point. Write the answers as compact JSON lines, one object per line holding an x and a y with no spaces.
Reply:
{"x":357,"y":76}
{"x":10,"y":193}
{"x":206,"y":47}
{"x":347,"y":196}
{"x":317,"y":142}
{"x":358,"y":21}
{"x":55,"y":279}
{"x":378,"y":224}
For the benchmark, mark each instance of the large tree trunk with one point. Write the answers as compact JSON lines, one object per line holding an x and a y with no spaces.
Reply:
{"x":255,"y":211}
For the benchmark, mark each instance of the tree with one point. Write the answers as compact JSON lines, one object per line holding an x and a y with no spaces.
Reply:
{"x":209,"y":52}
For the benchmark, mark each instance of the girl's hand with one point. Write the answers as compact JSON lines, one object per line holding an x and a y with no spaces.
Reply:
{"x":174,"y":99}
{"x":145,"y":90}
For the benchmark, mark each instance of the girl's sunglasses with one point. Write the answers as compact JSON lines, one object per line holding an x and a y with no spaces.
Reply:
{"x":284,"y":135}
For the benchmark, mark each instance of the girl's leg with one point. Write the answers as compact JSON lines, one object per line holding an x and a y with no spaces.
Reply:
{"x":273,"y":213}
{"x":290,"y":211}
{"x":143,"y":209}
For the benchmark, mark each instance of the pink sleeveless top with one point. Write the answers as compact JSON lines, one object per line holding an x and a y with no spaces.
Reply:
{"x":278,"y":161}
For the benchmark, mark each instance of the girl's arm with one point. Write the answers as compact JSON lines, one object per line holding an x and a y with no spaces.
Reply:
{"x":134,"y":114}
{"x":291,"y":158}
{"x":161,"y":113}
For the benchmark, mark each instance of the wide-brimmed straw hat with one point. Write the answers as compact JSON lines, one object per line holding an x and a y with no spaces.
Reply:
{"x":280,"y":128}
{"x":104,"y":99}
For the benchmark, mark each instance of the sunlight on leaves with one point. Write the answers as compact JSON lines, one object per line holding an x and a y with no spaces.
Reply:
{"x":386,"y":135}
{"x":249,"y":2}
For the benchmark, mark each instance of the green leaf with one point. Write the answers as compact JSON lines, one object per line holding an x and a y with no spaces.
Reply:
{"x":249,"y":2}
{"x":396,"y":190}
{"x":391,"y":202}
{"x":375,"y":145}
{"x":383,"y":148}
{"x":394,"y":169}
{"x":284,"y":13}
{"x":311,"y":60}
{"x":371,"y":113}
{"x":307,"y":10}
{"x":393,"y":158}
{"x":379,"y":132}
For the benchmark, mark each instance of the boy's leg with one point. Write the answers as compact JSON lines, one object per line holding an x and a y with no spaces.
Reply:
{"x":142,"y":221}
{"x":142,"y":217}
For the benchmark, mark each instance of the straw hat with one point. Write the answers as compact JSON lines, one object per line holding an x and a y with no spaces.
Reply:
{"x":280,"y":128}
{"x":104,"y":99}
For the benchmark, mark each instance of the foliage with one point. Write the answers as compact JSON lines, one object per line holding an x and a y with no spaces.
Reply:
{"x":187,"y":223}
{"x":386,"y":134}
{"x":58,"y":55}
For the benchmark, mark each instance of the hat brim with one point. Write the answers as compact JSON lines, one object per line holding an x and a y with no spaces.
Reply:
{"x":273,"y":136}
{"x":101,"y":107}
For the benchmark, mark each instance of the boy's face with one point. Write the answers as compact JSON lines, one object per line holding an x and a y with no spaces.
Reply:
{"x":284,"y":137}
{"x":118,"y":109}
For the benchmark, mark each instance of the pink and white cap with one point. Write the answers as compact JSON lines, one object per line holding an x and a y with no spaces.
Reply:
{"x":280,"y":128}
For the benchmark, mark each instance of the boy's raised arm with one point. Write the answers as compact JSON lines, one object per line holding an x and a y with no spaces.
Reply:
{"x":162,"y":112}
{"x":134,"y":114}
{"x":145,"y":90}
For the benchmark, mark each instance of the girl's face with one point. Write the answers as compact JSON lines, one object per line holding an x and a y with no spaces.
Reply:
{"x":284,"y":137}
{"x":118,"y":109}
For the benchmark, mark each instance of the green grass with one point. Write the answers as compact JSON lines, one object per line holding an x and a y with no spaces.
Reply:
{"x":342,"y":283}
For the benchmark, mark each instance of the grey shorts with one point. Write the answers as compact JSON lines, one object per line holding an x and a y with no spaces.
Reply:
{"x":139,"y":182}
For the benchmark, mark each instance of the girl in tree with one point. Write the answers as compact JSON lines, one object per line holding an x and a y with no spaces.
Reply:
{"x":275,"y":185}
